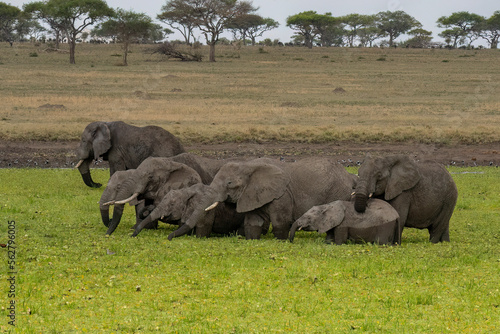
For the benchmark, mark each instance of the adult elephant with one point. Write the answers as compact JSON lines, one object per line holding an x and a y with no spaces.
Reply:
{"x":378,"y":224}
{"x":124,"y":146}
{"x":179,"y":207}
{"x":268,"y":190}
{"x":152,"y":180}
{"x":205,"y":167}
{"x":424,"y":193}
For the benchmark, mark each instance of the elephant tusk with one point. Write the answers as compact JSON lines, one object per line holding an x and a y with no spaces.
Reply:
{"x":130,"y":199}
{"x":79,"y":164}
{"x":370,"y":196}
{"x":353,"y":193}
{"x":212,"y":206}
{"x":109,"y":203}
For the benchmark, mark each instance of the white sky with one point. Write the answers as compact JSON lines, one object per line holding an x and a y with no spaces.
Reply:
{"x":425,"y":11}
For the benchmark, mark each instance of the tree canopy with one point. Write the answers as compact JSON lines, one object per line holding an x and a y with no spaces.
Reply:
{"x":127,"y":27}
{"x":393,"y":24}
{"x":461,"y":25}
{"x":71,"y":16}
{"x":8,"y":17}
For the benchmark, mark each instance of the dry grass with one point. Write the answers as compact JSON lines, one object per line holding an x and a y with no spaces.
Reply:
{"x":282,"y":94}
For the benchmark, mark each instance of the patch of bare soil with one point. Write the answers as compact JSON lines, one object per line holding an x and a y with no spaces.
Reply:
{"x":61,"y":154}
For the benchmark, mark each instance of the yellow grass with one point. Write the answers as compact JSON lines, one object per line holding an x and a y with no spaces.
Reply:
{"x":283,"y":93}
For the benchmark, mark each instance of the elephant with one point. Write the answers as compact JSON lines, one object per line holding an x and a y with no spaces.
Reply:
{"x":178,"y":206}
{"x":205,"y":167}
{"x":124,"y":146}
{"x":267,"y":190}
{"x":154,"y":178}
{"x":341,"y":222}
{"x":423,"y":193}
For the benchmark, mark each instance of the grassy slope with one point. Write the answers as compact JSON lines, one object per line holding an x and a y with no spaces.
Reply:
{"x":68,"y":282}
{"x":440,"y":96}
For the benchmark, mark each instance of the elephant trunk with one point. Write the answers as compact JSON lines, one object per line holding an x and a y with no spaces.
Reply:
{"x":293,"y":229}
{"x":84,"y":169}
{"x":105,"y":215}
{"x":184,"y":229}
{"x":117,"y":216}
{"x":360,"y":202}
{"x":150,"y":220}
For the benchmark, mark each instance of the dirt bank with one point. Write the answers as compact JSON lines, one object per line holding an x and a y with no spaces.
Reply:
{"x":61,"y":154}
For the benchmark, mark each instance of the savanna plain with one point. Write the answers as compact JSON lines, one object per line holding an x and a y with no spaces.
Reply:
{"x":72,"y":279}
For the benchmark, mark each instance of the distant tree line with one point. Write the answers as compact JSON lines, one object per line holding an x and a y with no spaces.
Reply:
{"x":69,"y":20}
{"x":462,"y":28}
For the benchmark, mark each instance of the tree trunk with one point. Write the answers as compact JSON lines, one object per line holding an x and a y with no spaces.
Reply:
{"x":212,"y":52}
{"x":72,"y":47}
{"x":125,"y":53}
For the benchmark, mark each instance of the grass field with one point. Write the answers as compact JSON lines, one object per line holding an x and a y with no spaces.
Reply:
{"x":70,"y":278}
{"x":73,"y":279}
{"x":256,"y":93}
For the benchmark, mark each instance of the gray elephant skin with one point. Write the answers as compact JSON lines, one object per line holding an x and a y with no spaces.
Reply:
{"x":423,"y":193}
{"x":178,"y":207}
{"x":341,"y":222}
{"x":149,"y":182}
{"x":124,"y":146}
{"x":268,"y":190}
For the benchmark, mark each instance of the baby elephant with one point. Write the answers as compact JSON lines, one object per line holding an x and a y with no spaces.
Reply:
{"x":378,"y":224}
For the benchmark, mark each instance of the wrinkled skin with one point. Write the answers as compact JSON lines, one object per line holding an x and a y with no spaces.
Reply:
{"x":341,"y":222}
{"x":205,"y":167}
{"x":154,"y":178}
{"x":123,"y":145}
{"x":180,"y":207}
{"x":423,"y":193}
{"x":268,"y":190}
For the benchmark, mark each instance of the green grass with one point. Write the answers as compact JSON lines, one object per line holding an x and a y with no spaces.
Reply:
{"x":67,"y":281}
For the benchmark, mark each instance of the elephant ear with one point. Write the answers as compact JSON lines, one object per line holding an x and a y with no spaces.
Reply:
{"x":102,"y":140}
{"x":330,"y":217}
{"x":266,"y":183}
{"x":404,"y":176}
{"x":182,"y":176}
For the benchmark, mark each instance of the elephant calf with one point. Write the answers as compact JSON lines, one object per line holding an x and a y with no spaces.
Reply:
{"x":378,"y":224}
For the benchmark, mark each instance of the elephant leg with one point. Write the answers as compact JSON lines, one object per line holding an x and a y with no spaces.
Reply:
{"x":253,"y":226}
{"x":281,"y":222}
{"x":439,"y":231}
{"x":341,"y":235}
{"x":330,"y":236}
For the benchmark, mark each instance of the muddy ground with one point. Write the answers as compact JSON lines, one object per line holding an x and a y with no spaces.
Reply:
{"x":61,"y":154}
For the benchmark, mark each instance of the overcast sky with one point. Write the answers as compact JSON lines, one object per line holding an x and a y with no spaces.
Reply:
{"x":425,"y":11}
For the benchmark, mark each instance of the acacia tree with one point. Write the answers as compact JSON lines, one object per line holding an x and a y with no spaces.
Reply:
{"x":212,"y":16}
{"x":8,"y":17}
{"x":251,"y":25}
{"x":44,"y":12}
{"x":178,"y":15}
{"x":421,"y":38}
{"x":354,"y":23}
{"x":304,"y":24}
{"x":393,"y":24}
{"x":128,"y":27}
{"x":490,"y":29}
{"x":73,"y":16}
{"x":461,"y":25}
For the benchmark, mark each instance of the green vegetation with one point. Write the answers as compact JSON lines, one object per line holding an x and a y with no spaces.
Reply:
{"x":73,"y":279}
{"x":285,"y":93}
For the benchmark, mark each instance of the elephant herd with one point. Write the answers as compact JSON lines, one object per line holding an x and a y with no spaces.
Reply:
{"x":150,"y":169}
